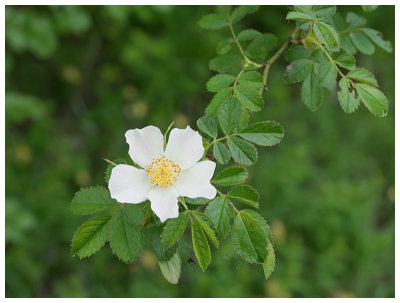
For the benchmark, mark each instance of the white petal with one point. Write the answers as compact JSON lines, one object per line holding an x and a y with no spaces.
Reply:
{"x":195,"y":182}
{"x":185,"y":147}
{"x":164,"y":202}
{"x":128,"y":184}
{"x":145,"y":144}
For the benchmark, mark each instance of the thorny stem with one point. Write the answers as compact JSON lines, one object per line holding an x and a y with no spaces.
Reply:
{"x":276,"y":56}
{"x":109,"y":161}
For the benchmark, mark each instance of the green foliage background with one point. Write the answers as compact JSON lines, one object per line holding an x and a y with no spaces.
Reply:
{"x":78,"y":77}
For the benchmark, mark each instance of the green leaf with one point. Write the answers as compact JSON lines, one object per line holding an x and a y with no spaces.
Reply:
{"x":355,"y":20}
{"x":258,"y":219}
{"x":363,"y":75}
{"x":369,"y":8}
{"x":224,"y":46}
{"x":249,"y":239}
{"x":347,"y":99}
{"x":205,"y":227}
{"x":347,"y":45}
{"x":299,"y":16}
{"x":218,"y":82}
{"x":229,"y":115}
{"x":221,"y":153}
{"x":230,"y":176}
{"x":208,"y":126}
{"x":296,"y":53}
{"x":252,"y":79}
{"x":161,"y":253}
{"x":239,"y":12}
{"x":269,"y":263}
{"x":327,"y":75}
{"x":90,"y":236}
{"x":242,"y":152}
{"x":373,"y":99}
{"x":248,"y":34}
{"x":266,"y":133}
{"x":213,"y":21}
{"x":225,"y":64}
{"x":171,"y":269}
{"x":197,"y":201}
{"x":312,"y":93}
{"x":92,"y":200}
{"x":326,"y":34}
{"x":245,"y":194}
{"x":220,"y":213}
{"x":260,"y":46}
{"x":212,"y":108}
{"x":299,"y":70}
{"x":173,"y":230}
{"x":347,"y":61}
{"x":376,"y":37}
{"x":250,"y":98}
{"x":324,"y":10}
{"x":126,"y":237}
{"x":362,"y":43}
{"x":200,"y":245}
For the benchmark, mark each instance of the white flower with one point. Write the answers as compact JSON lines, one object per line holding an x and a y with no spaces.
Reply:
{"x":166,"y":175}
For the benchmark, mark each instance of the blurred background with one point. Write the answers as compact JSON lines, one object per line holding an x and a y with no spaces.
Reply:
{"x":78,"y":77}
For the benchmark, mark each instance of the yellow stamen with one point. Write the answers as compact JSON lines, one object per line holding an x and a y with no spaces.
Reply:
{"x":163,"y":171}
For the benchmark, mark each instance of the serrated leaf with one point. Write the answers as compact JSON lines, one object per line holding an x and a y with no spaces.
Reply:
{"x":161,"y":253}
{"x":256,"y":218}
{"x":220,"y":213}
{"x":363,"y":75}
{"x":221,"y":153}
{"x":250,"y":98}
{"x":376,"y":37}
{"x":229,"y":114}
{"x":245,"y":194}
{"x":260,"y":46}
{"x":213,"y":21}
{"x":92,"y":200}
{"x":171,"y":269}
{"x":230,"y":176}
{"x":324,"y":10}
{"x":125,"y":236}
{"x":347,"y":61}
{"x":90,"y":236}
{"x":197,"y":201}
{"x":347,"y":45}
{"x":218,"y":82}
{"x":326,"y":34}
{"x":249,"y":239}
{"x":173,"y":230}
{"x":299,"y":70}
{"x":212,"y":108}
{"x":296,"y":53}
{"x":224,"y":46}
{"x":299,"y":16}
{"x":347,"y":99}
{"x":252,"y":79}
{"x":205,"y":227}
{"x":248,"y":34}
{"x":208,"y":126}
{"x":327,"y":74}
{"x":355,"y":20}
{"x":225,"y":64}
{"x":239,"y":12}
{"x":266,"y":133}
{"x":362,"y":43}
{"x":312,"y":93}
{"x":269,"y":263}
{"x":242,"y":152}
{"x":200,"y":246}
{"x":373,"y":99}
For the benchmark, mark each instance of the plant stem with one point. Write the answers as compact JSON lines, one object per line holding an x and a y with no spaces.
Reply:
{"x":275,"y":57}
{"x":330,"y":58}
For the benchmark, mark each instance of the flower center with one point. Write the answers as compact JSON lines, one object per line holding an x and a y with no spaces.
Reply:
{"x":163,"y":171}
